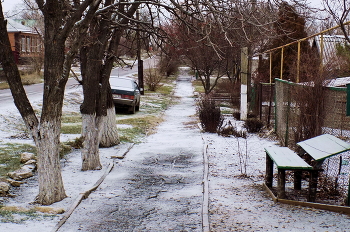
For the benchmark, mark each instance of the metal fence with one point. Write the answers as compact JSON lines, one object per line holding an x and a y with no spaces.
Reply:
{"x":291,"y":61}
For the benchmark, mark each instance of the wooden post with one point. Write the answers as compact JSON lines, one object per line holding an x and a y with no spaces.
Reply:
{"x":281,"y":191}
{"x":282,"y":60}
{"x":269,"y":171}
{"x":260,"y":101}
{"x":312,"y":186}
{"x":297,"y":180}
{"x":139,"y":60}
{"x":244,"y":83}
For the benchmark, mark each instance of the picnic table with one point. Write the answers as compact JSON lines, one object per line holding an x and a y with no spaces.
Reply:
{"x":318,"y":149}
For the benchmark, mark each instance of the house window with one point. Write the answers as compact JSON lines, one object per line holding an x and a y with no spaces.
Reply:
{"x":34,"y":44}
{"x":23,"y":44}
{"x":28,"y":44}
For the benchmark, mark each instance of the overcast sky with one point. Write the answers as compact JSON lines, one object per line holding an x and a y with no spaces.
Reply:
{"x":10,"y":4}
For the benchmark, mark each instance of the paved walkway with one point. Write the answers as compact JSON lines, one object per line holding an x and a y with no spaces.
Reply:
{"x":158,"y":186}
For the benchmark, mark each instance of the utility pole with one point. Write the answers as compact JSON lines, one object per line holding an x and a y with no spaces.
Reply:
{"x":244,"y":83}
{"x":139,"y":60}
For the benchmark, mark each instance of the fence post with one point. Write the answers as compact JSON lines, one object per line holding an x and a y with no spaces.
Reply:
{"x":286,"y":136}
{"x":244,"y":83}
{"x":282,"y":60}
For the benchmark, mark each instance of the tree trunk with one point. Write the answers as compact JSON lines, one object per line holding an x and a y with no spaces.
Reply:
{"x":51,"y":187}
{"x":46,"y":133}
{"x":109,"y":133}
{"x":90,"y":131}
{"x":91,"y":124}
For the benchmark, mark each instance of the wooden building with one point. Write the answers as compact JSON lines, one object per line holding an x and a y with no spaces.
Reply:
{"x":25,"y":43}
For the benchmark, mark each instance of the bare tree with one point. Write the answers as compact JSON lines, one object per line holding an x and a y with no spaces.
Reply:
{"x":98,"y":53}
{"x":60,"y":18}
{"x":97,"y":57}
{"x":339,"y":10}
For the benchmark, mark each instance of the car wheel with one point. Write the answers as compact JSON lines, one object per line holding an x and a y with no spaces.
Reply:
{"x":132,"y":109}
{"x":138,"y":107}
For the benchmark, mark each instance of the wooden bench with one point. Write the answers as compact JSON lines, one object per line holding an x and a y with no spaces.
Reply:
{"x":285,"y":159}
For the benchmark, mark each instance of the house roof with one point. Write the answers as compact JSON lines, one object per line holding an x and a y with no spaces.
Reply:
{"x":13,"y":26}
{"x":339,"y":82}
{"x":334,"y":82}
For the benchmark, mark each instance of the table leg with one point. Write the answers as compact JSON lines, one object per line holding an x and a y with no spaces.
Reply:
{"x":269,"y":171}
{"x":312,"y":186}
{"x":297,"y":180}
{"x":281,"y":188}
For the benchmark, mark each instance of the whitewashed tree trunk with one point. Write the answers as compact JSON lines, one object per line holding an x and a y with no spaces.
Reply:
{"x":51,"y":188}
{"x":109,"y":133}
{"x":91,"y":126}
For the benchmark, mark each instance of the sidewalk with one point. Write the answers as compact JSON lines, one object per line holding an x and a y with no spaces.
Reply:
{"x":158,"y":185}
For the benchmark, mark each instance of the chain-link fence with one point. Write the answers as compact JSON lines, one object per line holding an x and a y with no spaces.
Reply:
{"x":334,"y":179}
{"x":299,"y":116}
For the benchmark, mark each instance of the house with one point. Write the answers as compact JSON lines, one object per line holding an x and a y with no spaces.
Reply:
{"x":25,"y":43}
{"x":328,"y":44}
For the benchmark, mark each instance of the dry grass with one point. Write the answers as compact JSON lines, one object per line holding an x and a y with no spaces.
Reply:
{"x":27,"y":79}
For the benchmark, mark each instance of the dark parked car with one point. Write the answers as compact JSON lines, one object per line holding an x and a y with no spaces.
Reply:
{"x":126,"y":93}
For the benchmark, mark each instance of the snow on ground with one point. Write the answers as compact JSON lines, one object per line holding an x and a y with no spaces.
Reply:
{"x":236,"y":202}
{"x":239,"y":203}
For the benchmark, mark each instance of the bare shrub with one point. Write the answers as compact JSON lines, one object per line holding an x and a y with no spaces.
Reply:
{"x":243,"y":156}
{"x":229,"y":130}
{"x":152,"y":79}
{"x":168,"y":65}
{"x":209,"y":114}
{"x":253,"y":125}
{"x":328,"y":188}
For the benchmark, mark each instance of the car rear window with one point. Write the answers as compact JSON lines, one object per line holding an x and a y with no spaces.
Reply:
{"x":123,"y":83}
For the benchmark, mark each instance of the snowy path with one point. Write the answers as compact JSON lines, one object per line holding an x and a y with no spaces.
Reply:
{"x":158,"y":186}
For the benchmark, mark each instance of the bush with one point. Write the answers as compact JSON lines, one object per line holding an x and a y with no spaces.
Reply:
{"x":168,"y":66}
{"x":231,"y":130}
{"x":209,"y":114}
{"x":152,"y":79}
{"x":253,"y":125}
